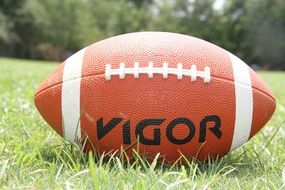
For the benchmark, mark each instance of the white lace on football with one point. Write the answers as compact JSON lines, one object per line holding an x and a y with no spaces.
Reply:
{"x":122,"y":71}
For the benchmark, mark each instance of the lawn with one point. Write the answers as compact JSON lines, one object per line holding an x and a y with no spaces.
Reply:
{"x":33,"y":156}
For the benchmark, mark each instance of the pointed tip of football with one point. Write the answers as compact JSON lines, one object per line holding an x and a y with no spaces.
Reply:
{"x":47,"y":99}
{"x":264,"y":103}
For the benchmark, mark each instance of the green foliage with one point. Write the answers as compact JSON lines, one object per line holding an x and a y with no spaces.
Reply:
{"x":234,"y":31}
{"x":196,"y":18}
{"x":4,"y":27}
{"x":114,"y":17}
{"x":33,"y":156}
{"x":267,"y":32}
{"x":254,"y":30}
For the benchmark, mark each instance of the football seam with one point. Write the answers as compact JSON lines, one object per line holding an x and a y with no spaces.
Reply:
{"x":103,"y":74}
{"x":150,"y":70}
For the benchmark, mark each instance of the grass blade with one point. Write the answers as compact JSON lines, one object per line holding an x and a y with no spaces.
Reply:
{"x":94,"y":176}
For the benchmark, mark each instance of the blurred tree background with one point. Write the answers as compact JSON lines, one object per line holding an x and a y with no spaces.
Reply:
{"x":53,"y":30}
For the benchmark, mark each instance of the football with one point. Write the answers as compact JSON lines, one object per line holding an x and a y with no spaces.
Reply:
{"x":155,"y":92}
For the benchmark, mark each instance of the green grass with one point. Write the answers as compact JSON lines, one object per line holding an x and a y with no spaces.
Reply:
{"x":33,"y":156}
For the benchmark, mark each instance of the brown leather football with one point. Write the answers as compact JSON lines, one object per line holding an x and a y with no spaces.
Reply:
{"x":163,"y":92}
